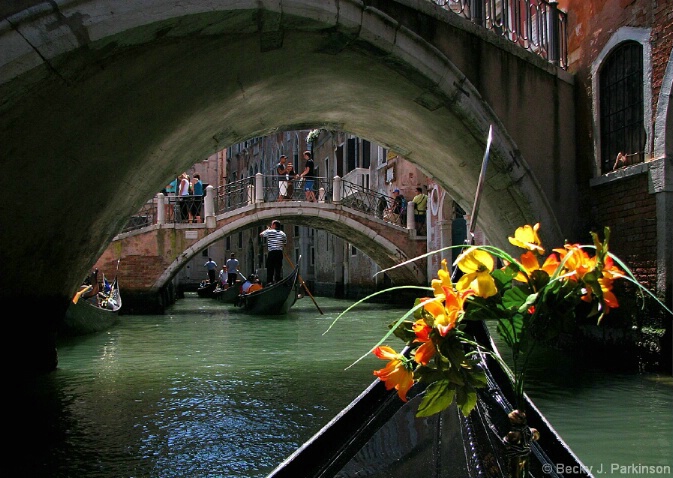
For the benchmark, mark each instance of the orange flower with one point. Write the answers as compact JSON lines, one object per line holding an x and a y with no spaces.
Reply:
{"x":526,"y":237}
{"x":447,"y":313}
{"x":609,"y":300}
{"x":477,"y":266}
{"x":610,"y":270}
{"x":530,"y":264}
{"x":427,"y":350}
{"x":577,"y":261}
{"x":397,"y":373}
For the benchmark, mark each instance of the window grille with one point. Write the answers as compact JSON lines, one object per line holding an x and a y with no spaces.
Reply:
{"x":621,"y":106}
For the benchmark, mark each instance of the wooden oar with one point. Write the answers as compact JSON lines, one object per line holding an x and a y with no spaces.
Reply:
{"x":301,"y":281}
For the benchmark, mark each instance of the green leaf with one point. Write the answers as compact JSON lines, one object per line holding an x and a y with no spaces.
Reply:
{"x":437,"y":397}
{"x":466,"y":399}
{"x":513,"y":298}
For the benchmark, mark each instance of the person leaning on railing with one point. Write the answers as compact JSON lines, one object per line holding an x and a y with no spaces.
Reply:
{"x":420,"y":202}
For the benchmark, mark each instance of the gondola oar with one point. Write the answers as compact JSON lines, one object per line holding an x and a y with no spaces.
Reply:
{"x":301,"y":281}
{"x":469,"y":240}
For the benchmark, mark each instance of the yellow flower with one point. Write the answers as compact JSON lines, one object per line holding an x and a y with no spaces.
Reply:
{"x":477,"y":266}
{"x":443,"y":280}
{"x":397,"y":373}
{"x":526,"y":237}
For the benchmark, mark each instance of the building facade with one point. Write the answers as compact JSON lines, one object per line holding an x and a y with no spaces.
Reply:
{"x":620,"y":53}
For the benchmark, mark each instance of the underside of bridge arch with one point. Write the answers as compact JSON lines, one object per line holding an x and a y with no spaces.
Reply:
{"x":102,"y":103}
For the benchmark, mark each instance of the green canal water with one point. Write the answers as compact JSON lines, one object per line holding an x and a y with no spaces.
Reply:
{"x":204,"y":391}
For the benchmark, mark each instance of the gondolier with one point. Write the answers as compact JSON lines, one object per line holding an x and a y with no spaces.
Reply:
{"x":211,"y":266}
{"x":275,"y":241}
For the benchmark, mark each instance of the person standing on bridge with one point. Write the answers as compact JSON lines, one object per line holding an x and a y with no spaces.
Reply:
{"x":211,"y":266}
{"x":420,"y":202}
{"x":275,"y":241}
{"x":281,"y":170}
{"x":308,"y":174}
{"x":197,"y":204}
{"x":232,"y":269}
{"x":183,"y":192}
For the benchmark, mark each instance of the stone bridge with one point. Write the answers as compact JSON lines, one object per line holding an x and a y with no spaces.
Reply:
{"x":154,"y":254}
{"x":103,"y":101}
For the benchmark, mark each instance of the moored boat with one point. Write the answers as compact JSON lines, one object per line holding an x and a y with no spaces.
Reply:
{"x":274,"y":299}
{"x":92,"y":309}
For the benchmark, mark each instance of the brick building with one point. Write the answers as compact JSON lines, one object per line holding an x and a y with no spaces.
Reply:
{"x":620,"y":53}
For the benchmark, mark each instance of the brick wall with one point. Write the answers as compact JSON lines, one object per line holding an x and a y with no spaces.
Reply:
{"x":629,"y":210}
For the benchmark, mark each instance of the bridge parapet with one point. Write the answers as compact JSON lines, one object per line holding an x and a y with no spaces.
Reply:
{"x":259,"y":189}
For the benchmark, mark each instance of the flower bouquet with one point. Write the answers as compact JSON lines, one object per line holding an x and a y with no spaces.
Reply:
{"x":529,"y":298}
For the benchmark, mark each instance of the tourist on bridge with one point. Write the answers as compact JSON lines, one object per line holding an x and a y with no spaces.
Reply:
{"x":290,"y":181}
{"x":420,"y":202}
{"x":281,"y":170}
{"x":275,"y":241}
{"x":183,"y":192}
{"x":309,"y":176}
{"x":197,"y":191}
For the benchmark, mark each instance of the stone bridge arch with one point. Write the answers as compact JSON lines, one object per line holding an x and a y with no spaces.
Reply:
{"x":104,"y":101}
{"x":386,"y":244}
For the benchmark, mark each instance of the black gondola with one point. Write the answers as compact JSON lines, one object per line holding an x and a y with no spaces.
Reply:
{"x":228,"y":295}
{"x":206,"y":289}
{"x":93,"y":310}
{"x":274,"y":299}
{"x":378,"y":435}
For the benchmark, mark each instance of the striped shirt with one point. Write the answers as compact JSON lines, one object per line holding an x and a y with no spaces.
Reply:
{"x":275,"y":239}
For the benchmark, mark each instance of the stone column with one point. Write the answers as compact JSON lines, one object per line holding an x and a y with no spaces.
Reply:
{"x":411,"y":220}
{"x":259,"y":188}
{"x":336,"y":191}
{"x":209,"y":207}
{"x":161,"y":208}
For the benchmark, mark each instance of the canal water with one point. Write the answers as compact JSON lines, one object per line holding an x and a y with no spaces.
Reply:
{"x":204,"y":391}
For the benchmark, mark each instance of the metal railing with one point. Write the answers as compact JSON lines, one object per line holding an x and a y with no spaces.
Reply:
{"x":243,"y":192}
{"x":536,"y":25}
{"x":146,"y":216}
{"x":234,"y":195}
{"x":370,"y":202}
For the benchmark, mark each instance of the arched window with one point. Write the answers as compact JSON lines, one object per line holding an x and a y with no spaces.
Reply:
{"x":621,"y":105}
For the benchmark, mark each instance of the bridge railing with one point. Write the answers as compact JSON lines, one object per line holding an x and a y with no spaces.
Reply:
{"x":234,"y":195}
{"x":536,"y":25}
{"x":370,"y":202}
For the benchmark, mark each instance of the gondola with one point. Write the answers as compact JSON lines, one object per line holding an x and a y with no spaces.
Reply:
{"x":228,"y":295}
{"x":274,"y":299}
{"x":93,"y":310}
{"x":379,"y":435}
{"x":206,"y":289}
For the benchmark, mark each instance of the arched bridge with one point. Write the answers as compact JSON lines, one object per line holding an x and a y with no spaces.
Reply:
{"x":153,"y":254}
